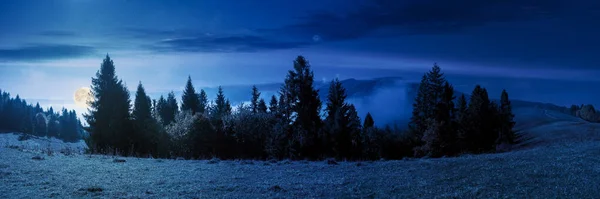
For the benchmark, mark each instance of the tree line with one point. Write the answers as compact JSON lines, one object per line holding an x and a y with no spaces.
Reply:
{"x":16,"y":115}
{"x":294,"y":124}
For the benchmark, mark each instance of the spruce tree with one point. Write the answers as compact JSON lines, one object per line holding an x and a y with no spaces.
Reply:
{"x":336,"y":133}
{"x":108,"y":116}
{"x":369,"y":122}
{"x":262,"y":106}
{"x":480,"y":136}
{"x":507,"y":123}
{"x":436,"y":84}
{"x":222,"y":105}
{"x":418,"y":120}
{"x":37,"y":108}
{"x":355,"y":131}
{"x":305,"y":105}
{"x":172,"y":108}
{"x":162,"y":110}
{"x":68,"y":126}
{"x":254,"y":100}
{"x":190,"y":100}
{"x":53,"y":125}
{"x":429,"y":95}
{"x":446,"y":114}
{"x":462,"y":122}
{"x":203,"y":99}
{"x":143,"y":121}
{"x":142,"y":104}
{"x":273,"y":104}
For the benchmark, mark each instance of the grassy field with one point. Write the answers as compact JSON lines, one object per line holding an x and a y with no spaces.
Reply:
{"x":562,"y":161}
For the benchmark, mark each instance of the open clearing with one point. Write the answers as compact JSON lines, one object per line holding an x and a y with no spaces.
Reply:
{"x":545,"y":169}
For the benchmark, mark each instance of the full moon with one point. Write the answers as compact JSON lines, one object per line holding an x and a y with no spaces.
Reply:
{"x":82,"y":97}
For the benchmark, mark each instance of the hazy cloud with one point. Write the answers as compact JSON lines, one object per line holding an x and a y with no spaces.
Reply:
{"x":423,"y":17}
{"x":236,"y":43}
{"x":58,"y":33}
{"x":45,"y":52}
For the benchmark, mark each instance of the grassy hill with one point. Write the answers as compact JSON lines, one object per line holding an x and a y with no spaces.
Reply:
{"x":566,"y":170}
{"x":558,"y":159}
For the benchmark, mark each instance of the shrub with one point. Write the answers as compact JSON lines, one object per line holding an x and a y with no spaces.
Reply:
{"x":588,"y":113}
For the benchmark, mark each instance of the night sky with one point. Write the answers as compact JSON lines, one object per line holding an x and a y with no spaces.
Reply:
{"x":545,"y":50}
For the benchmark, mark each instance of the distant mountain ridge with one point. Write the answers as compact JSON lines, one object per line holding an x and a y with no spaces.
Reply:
{"x":388,"y":99}
{"x":354,"y":88}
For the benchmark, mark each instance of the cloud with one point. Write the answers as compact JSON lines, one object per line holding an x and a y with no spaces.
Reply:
{"x":153,"y":34}
{"x":418,"y":17}
{"x":58,"y":33}
{"x":45,"y":52}
{"x":234,"y":43}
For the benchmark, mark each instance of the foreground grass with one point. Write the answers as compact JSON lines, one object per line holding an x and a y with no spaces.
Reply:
{"x":560,"y":171}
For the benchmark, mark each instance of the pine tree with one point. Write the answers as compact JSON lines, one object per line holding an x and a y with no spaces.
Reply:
{"x":143,"y":121}
{"x":172,"y":108}
{"x":203,"y":99}
{"x":222,"y":106}
{"x":429,"y":95}
{"x":462,"y":122}
{"x":262,"y":106}
{"x":69,"y":126}
{"x":446,"y":117}
{"x":37,"y":108}
{"x":190,"y":99}
{"x":336,"y":135}
{"x":27,"y":118}
{"x":355,"y":131}
{"x":254,"y":100}
{"x":142,"y":104}
{"x":273,"y":104}
{"x":481,"y":135}
{"x":162,"y":110}
{"x":436,"y":84}
{"x":507,"y":123}
{"x":109,"y":117}
{"x":369,"y":122}
{"x":418,"y":121}
{"x":53,"y":125}
{"x":303,"y":100}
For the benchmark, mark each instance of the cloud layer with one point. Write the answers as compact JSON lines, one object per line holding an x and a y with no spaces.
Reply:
{"x":45,"y":52}
{"x":419,"y":17}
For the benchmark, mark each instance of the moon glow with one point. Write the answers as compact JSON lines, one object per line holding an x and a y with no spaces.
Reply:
{"x":82,"y":97}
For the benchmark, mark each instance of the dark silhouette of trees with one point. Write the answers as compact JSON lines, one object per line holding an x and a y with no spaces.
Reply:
{"x":203,"y":99}
{"x":342,"y":131}
{"x":190,"y":100}
{"x":16,"y":115}
{"x":506,"y":121}
{"x":291,"y":125}
{"x":109,"y":118}
{"x":146,"y":128}
{"x":302,"y":105}
{"x":254,"y":100}
{"x":262,"y":106}
{"x":167,"y":108}
{"x":588,"y":112}
{"x":440,"y":126}
{"x":273,"y":104}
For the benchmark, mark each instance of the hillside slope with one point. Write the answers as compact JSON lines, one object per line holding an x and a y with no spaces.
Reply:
{"x":566,"y":171}
{"x":541,"y":127}
{"x":559,"y":161}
